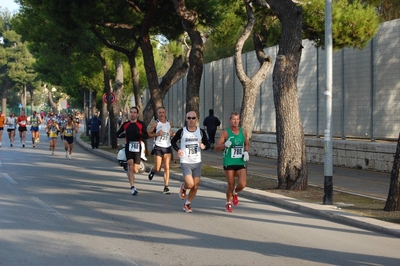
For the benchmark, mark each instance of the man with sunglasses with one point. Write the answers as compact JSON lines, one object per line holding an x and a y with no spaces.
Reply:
{"x":193,"y":139}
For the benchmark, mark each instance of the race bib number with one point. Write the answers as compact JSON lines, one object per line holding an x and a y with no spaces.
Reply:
{"x":236,"y":152}
{"x":164,"y":136}
{"x":23,"y":122}
{"x":68,"y":131}
{"x":192,"y":150}
{"x":134,"y":146}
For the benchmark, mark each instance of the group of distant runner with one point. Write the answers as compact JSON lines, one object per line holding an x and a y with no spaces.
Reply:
{"x":66,"y":126}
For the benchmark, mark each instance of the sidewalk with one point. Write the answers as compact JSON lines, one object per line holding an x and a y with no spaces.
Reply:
{"x":371,"y":184}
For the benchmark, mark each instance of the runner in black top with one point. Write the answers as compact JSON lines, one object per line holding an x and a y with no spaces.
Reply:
{"x":135,"y":132}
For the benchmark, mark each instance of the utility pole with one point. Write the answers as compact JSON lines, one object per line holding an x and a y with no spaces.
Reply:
{"x":328,"y":171}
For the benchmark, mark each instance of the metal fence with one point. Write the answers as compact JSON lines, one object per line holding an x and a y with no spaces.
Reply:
{"x":366,"y":90}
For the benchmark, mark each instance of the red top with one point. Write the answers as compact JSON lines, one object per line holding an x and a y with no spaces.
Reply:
{"x":22,"y":121}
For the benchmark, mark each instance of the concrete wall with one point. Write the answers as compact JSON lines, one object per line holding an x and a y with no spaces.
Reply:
{"x":376,"y":156}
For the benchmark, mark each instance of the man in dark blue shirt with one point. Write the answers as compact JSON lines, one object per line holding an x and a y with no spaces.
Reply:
{"x":94,"y":124}
{"x":211,"y":123}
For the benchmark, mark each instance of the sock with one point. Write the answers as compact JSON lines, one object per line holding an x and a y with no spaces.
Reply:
{"x":33,"y":140}
{"x":187,"y":202}
{"x":132,"y":187}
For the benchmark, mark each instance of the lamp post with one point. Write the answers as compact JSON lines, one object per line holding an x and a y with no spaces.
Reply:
{"x":328,"y":171}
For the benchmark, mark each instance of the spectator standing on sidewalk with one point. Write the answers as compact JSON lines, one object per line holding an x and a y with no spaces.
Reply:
{"x":135,"y":132}
{"x":193,"y":139}
{"x":211,"y":123}
{"x":94,"y":124}
{"x":161,"y":131}
{"x":233,"y":140}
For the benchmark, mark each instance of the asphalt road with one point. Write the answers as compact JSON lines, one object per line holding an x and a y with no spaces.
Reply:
{"x":55,"y":211}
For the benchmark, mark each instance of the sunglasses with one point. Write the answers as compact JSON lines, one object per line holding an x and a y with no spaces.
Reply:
{"x":191,"y":117}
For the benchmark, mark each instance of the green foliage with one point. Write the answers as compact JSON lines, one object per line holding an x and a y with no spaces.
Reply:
{"x":353,"y":24}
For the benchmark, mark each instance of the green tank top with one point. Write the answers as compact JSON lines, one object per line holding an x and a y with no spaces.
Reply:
{"x":234,"y":154}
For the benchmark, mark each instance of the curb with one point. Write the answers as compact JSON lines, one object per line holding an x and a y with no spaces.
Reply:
{"x":328,"y":212}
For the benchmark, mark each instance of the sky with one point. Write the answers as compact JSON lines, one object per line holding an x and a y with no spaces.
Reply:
{"x":9,"y":4}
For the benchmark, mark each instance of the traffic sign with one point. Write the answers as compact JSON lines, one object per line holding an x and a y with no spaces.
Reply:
{"x":105,"y":98}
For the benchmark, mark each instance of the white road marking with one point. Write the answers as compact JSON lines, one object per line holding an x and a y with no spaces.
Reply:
{"x":10,"y":179}
{"x":47,"y":207}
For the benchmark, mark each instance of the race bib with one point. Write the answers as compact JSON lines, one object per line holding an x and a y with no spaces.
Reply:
{"x":134,"y":146}
{"x":68,"y":131}
{"x":164,"y":136}
{"x":23,"y":122}
{"x":192,"y":150}
{"x":236,"y":152}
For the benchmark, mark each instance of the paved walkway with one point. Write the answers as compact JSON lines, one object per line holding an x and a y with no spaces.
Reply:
{"x":365,"y":183}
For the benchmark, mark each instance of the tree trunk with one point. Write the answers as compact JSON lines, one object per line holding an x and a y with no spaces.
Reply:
{"x":189,"y":19}
{"x":135,"y":80}
{"x":4,"y":93}
{"x":105,"y":109}
{"x":176,"y":72}
{"x":251,"y":86}
{"x":393,"y":199}
{"x":31,"y":99}
{"x":116,"y":106}
{"x":53,"y":105}
{"x":292,"y":160}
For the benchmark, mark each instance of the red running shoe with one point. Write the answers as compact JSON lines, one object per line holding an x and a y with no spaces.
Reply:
{"x":235,"y":200}
{"x":228,"y":207}
{"x":182,"y":191}
{"x":186,"y":208}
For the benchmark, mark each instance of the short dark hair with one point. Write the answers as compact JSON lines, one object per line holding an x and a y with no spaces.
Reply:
{"x":211,"y":111}
{"x":134,"y":107}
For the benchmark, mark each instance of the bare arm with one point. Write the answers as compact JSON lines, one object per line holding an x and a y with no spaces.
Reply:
{"x":221,"y":141}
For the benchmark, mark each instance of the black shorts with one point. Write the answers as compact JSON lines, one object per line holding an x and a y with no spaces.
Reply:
{"x":1,"y":128}
{"x":10,"y":129}
{"x":70,"y":140}
{"x":22,"y":129}
{"x":135,"y":156}
{"x":160,"y":151}
{"x":234,"y":167}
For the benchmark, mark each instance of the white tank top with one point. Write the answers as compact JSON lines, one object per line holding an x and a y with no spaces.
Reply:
{"x":190,"y":144}
{"x":11,"y":122}
{"x":165,"y":139}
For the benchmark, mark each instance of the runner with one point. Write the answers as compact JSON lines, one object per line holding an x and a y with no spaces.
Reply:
{"x":134,"y":133}
{"x":67,"y":131}
{"x":233,"y":140}
{"x":2,"y":122}
{"x":35,"y":130}
{"x":193,"y":139}
{"x":161,"y":131}
{"x":22,"y":122}
{"x":11,"y":125}
{"x":52,"y":130}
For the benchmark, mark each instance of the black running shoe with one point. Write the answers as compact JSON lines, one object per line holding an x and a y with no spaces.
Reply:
{"x":151,"y":174}
{"x":166,"y":190}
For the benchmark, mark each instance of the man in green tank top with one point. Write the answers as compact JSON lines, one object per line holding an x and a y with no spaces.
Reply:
{"x":235,"y":144}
